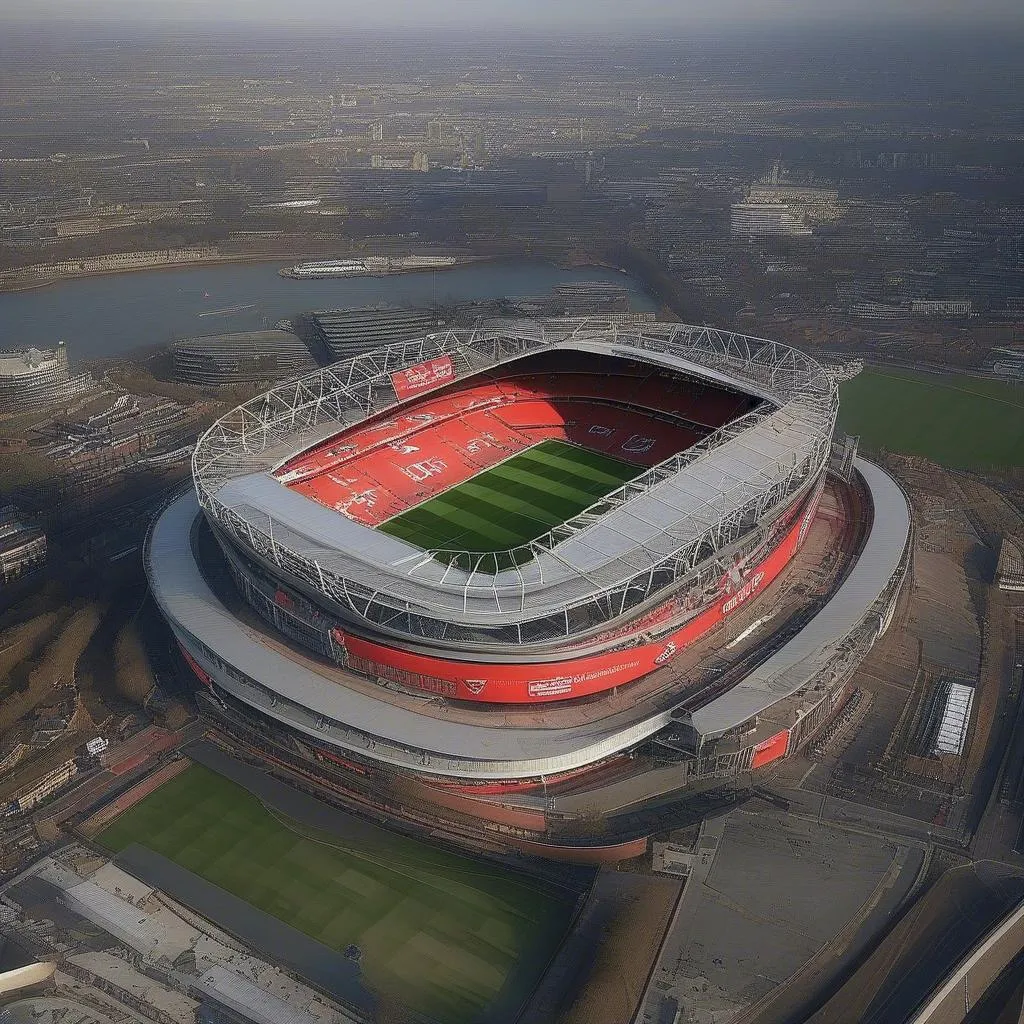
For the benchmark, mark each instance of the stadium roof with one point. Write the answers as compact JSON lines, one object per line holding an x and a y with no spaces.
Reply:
{"x":627,"y":540}
{"x":251,"y":1000}
{"x":799,"y":661}
{"x":291,"y":691}
{"x":956,"y":716}
{"x":758,"y":464}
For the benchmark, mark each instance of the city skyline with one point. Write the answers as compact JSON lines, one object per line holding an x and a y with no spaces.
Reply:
{"x":588,"y":17}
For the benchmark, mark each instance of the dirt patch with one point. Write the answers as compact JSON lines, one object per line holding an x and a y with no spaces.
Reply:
{"x":22,"y":642}
{"x":623,"y":960}
{"x":54,"y":668}
{"x":132,"y":674}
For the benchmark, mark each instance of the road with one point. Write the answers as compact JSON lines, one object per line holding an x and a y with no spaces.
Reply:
{"x":665,"y":989}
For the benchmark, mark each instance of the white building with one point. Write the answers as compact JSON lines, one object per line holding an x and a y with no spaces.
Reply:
{"x":940,"y":307}
{"x":755,"y":220}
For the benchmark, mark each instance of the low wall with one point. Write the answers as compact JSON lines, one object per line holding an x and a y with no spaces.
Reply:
{"x":611,"y":854}
{"x":952,"y":1003}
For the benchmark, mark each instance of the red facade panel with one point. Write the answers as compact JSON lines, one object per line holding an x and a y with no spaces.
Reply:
{"x":771,"y":749}
{"x":540,"y":683}
{"x":201,"y":675}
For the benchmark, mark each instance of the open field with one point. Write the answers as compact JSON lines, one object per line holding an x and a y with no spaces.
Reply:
{"x":513,"y":502}
{"x":956,"y":420}
{"x":439,"y":932}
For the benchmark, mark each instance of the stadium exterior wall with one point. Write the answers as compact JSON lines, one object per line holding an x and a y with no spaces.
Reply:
{"x":759,"y":532}
{"x":177,"y":587}
{"x":533,"y":682}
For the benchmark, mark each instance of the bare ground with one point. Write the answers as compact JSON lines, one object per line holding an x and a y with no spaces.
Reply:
{"x":624,"y":958}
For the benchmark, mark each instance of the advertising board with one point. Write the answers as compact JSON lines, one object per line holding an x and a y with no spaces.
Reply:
{"x":423,"y":377}
{"x":500,"y":683}
{"x":771,"y":749}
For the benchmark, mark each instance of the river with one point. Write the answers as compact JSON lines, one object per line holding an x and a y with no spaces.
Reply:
{"x":112,"y":314}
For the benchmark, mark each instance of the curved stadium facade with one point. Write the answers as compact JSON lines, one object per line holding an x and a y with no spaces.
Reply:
{"x":533,"y":558}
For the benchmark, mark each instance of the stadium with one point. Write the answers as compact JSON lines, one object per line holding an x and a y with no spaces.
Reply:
{"x":511,"y":578}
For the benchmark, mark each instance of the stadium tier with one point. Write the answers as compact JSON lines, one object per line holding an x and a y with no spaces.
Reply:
{"x":491,"y":558}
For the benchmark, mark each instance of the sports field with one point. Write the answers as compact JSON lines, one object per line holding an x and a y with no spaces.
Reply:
{"x":953,"y":419}
{"x":439,"y":932}
{"x":514,"y":502}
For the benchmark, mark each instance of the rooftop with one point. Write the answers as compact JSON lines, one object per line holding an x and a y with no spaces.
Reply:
{"x":23,"y":364}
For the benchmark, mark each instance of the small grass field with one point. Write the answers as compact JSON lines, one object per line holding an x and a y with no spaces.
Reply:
{"x":514,"y":502}
{"x":439,"y":932}
{"x":958,"y":421}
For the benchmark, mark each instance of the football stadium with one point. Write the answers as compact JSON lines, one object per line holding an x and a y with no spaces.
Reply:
{"x":527,"y":581}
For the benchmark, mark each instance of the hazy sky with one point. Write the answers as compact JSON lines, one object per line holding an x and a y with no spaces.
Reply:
{"x":527,"y":14}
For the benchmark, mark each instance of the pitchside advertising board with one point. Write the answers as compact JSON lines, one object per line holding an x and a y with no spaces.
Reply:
{"x":535,"y":684}
{"x":423,"y":377}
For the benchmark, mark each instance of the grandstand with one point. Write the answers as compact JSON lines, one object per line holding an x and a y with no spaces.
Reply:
{"x":561,"y":439}
{"x":491,"y":559}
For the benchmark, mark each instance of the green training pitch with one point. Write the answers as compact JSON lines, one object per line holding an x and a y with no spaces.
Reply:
{"x":958,"y":421}
{"x":514,"y":502}
{"x":439,"y":932}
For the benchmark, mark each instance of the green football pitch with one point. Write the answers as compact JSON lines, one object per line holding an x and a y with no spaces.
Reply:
{"x":439,"y":932}
{"x":956,"y":420}
{"x":516,"y":501}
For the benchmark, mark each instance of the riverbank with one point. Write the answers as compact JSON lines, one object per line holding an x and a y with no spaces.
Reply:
{"x":43,"y":275}
{"x":104,"y":313}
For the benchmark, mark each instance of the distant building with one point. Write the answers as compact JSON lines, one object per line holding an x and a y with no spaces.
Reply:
{"x":434,"y":132}
{"x":755,"y":220}
{"x":418,"y":162}
{"x":879,"y":311}
{"x":1010,"y":567}
{"x":1006,"y":361}
{"x":34,"y":378}
{"x":941,"y":307}
{"x":348,"y":332}
{"x":811,"y":205}
{"x":38,"y":790}
{"x":240,"y":358}
{"x":22,"y":547}
{"x":579,"y":298}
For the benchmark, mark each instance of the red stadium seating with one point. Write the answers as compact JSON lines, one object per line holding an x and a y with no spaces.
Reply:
{"x":391,"y":463}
